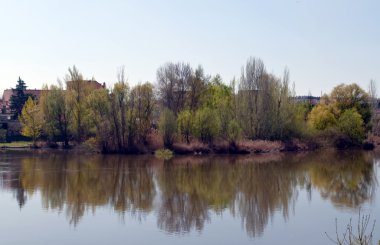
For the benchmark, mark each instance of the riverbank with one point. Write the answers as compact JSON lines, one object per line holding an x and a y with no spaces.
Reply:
{"x":241,"y":147}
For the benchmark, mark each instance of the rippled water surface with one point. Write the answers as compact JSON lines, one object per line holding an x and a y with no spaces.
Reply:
{"x":56,"y":198}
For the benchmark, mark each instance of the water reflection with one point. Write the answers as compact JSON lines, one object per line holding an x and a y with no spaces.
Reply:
{"x":184,"y":193}
{"x":348,"y":181}
{"x":81,"y":184}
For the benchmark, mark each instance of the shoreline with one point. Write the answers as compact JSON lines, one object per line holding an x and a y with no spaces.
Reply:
{"x":251,"y":147}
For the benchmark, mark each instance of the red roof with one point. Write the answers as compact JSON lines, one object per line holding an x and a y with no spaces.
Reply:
{"x":91,"y":83}
{"x":37,"y":92}
{"x":9,"y":92}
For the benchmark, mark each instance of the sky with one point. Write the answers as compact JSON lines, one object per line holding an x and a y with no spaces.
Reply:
{"x":323,"y":43}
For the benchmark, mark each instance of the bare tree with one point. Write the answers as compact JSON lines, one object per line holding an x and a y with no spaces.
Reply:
{"x":197,"y":86}
{"x":173,"y":83}
{"x":352,"y":237}
{"x":264,"y":103}
{"x":249,"y":89}
{"x":373,"y":103}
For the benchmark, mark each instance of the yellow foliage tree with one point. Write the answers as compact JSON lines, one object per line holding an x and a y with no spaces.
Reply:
{"x":322,"y":117}
{"x":350,"y":96}
{"x":31,"y":119}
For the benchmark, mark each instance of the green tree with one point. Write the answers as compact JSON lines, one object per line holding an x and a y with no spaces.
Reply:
{"x":352,"y":96}
{"x":143,"y":101}
{"x":286,"y":112}
{"x":347,"y":109}
{"x":119,"y":103}
{"x":220,"y":98}
{"x":77,"y":91}
{"x":99,"y":105}
{"x":19,"y":97}
{"x":184,"y":124}
{"x":207,"y":124}
{"x":299,"y":121}
{"x":167,"y":126}
{"x":351,"y":124}
{"x":234,"y":131}
{"x":31,"y":120}
{"x":56,"y":113}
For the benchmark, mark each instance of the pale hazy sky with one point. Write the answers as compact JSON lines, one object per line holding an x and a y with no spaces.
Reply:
{"x":323,"y":43}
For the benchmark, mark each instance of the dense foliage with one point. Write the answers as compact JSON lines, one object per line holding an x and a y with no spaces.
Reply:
{"x":346,"y":112}
{"x":186,"y":106}
{"x":31,"y":119}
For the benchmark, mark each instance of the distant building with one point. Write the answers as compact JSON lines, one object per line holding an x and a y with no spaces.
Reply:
{"x":12,"y":125}
{"x":5,"y":102}
{"x":93,"y":84}
{"x":307,"y":99}
{"x":248,"y":92}
{"x":313,"y":100}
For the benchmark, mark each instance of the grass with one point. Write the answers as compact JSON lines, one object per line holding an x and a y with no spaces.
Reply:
{"x":16,"y":144}
{"x":163,"y":154}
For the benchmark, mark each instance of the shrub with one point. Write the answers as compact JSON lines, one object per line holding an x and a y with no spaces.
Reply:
{"x":184,"y":123}
{"x":234,"y":131}
{"x":167,"y":126}
{"x":163,"y":154}
{"x":206,"y":125}
{"x":351,"y":124}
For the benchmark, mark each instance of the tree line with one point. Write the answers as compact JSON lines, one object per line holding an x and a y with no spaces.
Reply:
{"x":187,"y":105}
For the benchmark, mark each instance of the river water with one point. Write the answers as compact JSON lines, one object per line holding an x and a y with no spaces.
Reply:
{"x":58,"y":198}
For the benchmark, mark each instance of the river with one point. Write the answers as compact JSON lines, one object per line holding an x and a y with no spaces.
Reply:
{"x":63,"y":198}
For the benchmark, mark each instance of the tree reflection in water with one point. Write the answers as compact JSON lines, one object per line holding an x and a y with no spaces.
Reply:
{"x":348,"y":181}
{"x":186,"y":192}
{"x":83,"y":183}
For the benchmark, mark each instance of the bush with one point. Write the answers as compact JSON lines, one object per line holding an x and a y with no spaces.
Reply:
{"x":167,"y":127}
{"x":206,"y":125}
{"x":234,"y":131}
{"x":322,"y":117}
{"x":163,"y":154}
{"x":184,"y":122}
{"x":351,"y":124}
